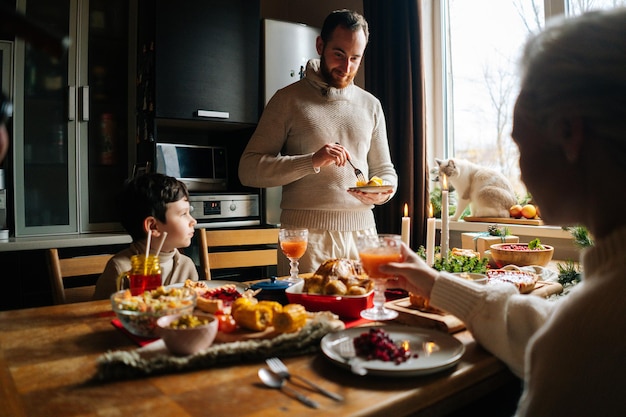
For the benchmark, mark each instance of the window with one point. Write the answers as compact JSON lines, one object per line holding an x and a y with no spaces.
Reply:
{"x":475,"y":51}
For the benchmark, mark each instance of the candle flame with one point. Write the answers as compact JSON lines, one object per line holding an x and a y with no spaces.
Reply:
{"x":430,"y":348}
{"x":431,"y":212}
{"x":406,"y":345}
{"x":406,"y":210}
{"x":444,"y":180}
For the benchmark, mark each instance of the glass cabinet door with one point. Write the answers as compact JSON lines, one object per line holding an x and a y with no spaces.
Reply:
{"x":46,"y":199}
{"x":104,"y":141}
{"x":73,"y":115}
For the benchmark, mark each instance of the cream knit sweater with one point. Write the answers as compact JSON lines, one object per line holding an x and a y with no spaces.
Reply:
{"x":298,"y":121}
{"x":570,"y":352}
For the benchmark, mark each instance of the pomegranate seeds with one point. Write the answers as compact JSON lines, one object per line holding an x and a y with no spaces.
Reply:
{"x":376,"y":344}
{"x":227,"y":293}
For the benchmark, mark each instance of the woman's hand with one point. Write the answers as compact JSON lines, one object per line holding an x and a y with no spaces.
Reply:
{"x":414,"y":275}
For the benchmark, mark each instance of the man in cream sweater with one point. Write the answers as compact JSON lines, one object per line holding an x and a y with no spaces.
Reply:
{"x":306,"y":135}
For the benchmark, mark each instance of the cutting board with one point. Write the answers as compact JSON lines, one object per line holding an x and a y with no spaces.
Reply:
{"x":409,"y":315}
{"x":504,"y":220}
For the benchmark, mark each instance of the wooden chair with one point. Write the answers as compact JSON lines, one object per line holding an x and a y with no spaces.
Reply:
{"x":80,"y":270}
{"x":237,"y":248}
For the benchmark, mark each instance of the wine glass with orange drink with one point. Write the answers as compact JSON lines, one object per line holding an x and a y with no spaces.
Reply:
{"x":374,"y":251}
{"x":293,"y":243}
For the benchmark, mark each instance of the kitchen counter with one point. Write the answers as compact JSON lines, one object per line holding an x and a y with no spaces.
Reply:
{"x":15,"y":244}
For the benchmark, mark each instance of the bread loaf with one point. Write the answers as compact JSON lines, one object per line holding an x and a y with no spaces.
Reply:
{"x":422,"y":304}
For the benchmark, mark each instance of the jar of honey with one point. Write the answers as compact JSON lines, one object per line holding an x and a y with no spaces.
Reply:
{"x":144,"y":274}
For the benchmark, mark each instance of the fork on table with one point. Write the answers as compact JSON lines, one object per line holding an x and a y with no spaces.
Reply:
{"x":278,"y":367}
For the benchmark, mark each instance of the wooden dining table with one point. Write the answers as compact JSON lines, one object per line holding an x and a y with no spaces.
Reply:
{"x":48,"y":357}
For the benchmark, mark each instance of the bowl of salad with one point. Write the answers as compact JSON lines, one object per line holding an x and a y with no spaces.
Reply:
{"x":521,"y":254}
{"x":139,"y":313}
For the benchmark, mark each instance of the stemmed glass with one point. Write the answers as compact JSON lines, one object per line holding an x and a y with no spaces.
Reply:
{"x":374,"y":251}
{"x":293,"y":243}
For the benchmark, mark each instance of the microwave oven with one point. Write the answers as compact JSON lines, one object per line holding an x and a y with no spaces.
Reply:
{"x":201,"y":168}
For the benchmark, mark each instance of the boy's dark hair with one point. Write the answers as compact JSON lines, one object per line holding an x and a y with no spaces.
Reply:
{"x":346,"y":18}
{"x":147,"y":195}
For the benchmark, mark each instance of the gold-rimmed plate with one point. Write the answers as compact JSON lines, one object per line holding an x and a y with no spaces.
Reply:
{"x":436,"y":351}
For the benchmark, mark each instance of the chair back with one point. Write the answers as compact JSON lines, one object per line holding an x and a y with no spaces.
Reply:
{"x":80,"y":270}
{"x":237,"y":248}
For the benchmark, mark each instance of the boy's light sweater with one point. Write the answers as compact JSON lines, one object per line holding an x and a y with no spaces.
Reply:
{"x":571,"y":352}
{"x":297,"y":122}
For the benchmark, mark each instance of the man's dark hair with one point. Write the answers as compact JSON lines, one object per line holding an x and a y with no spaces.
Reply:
{"x":147,"y":195}
{"x":346,"y":18}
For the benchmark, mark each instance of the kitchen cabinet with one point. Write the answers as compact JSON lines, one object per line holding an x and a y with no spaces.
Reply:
{"x":73,"y":146}
{"x":206,"y":56}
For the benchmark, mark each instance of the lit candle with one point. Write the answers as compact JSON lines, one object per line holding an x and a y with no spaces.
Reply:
{"x":445,"y":218}
{"x":406,"y":226}
{"x":430,"y":237}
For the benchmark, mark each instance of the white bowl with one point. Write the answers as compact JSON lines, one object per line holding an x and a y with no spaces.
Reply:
{"x":187,"y":341}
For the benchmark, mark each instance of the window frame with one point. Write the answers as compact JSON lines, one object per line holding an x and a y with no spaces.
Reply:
{"x":436,"y":88}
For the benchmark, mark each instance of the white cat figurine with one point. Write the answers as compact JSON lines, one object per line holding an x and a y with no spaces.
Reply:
{"x":488,"y":192}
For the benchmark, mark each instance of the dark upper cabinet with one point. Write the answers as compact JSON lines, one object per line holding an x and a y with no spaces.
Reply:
{"x":206,"y":60}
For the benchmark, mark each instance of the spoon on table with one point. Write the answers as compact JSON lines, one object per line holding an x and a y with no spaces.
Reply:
{"x":273,"y":380}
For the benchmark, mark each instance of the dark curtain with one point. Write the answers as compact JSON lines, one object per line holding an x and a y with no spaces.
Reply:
{"x":393,"y":73}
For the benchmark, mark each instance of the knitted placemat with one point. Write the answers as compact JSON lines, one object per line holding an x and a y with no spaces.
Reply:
{"x":154,"y":359}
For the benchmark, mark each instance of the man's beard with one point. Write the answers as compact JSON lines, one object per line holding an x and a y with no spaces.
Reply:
{"x":332,"y":81}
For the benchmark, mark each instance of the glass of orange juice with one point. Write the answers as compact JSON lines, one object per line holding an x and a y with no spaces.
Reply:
{"x":293,"y":243}
{"x":374,"y":251}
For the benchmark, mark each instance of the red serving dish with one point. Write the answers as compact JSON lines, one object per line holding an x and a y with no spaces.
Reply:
{"x":345,"y":306}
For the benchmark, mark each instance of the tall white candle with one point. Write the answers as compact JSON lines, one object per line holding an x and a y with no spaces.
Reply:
{"x":430,"y":237}
{"x":445,"y":218}
{"x":406,"y":226}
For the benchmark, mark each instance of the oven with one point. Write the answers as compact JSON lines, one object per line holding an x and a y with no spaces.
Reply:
{"x":223,"y":210}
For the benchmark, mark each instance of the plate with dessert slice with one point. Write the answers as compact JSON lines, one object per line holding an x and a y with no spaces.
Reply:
{"x":394,"y":350}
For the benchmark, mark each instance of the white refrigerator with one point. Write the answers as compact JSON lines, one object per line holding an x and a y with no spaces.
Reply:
{"x":287,"y":47}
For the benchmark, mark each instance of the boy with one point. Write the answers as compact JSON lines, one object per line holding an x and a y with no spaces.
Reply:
{"x":156,"y":204}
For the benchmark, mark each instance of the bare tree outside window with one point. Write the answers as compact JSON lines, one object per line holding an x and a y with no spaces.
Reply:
{"x":484,"y":39}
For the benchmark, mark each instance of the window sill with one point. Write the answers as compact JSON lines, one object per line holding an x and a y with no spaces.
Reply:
{"x":555,"y":232}
{"x":561,"y":240}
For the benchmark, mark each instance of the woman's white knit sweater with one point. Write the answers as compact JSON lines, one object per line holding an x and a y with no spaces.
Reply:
{"x":570,"y":352}
{"x":297,"y":122}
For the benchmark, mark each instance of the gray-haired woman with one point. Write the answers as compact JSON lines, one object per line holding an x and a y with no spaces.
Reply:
{"x":570,"y":126}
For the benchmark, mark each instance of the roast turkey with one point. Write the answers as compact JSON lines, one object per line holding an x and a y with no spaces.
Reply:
{"x":338,"y":277}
